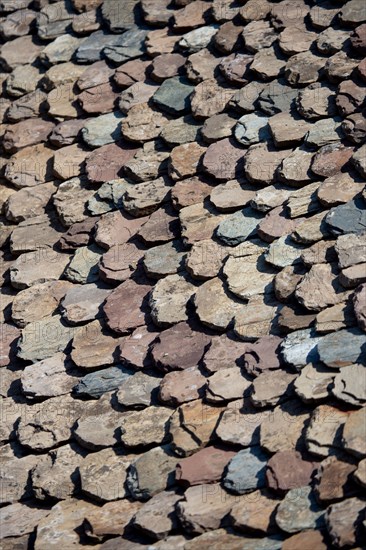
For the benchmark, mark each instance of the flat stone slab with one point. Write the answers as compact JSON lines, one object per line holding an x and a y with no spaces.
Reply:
{"x":239,"y":423}
{"x":294,"y":514}
{"x":288,"y":470}
{"x":224,"y":159}
{"x":44,"y":338}
{"x":168,"y":355}
{"x":133,"y":296}
{"x":342,"y":521}
{"x":46,"y":426}
{"x":157,"y":518}
{"x":246,"y":471}
{"x":223,"y":353}
{"x":107,"y":419}
{"x":102,"y":477}
{"x":38,"y":301}
{"x":226,"y":308}
{"x":146,"y":427}
{"x":168,"y":299}
{"x":179,"y":387}
{"x":83,"y":267}
{"x":173,"y":96}
{"x":83,"y":303}
{"x":97,"y":383}
{"x":205,"y":466}
{"x":290,"y":419}
{"x":237,"y":227}
{"x":151,"y":472}
{"x":192,"y":426}
{"x":347,"y":218}
{"x":227,"y":385}
{"x":49,"y":378}
{"x":300,"y":348}
{"x":342,"y":348}
{"x":135,"y":348}
{"x":249,"y":276}
{"x":199,"y":516}
{"x":324,"y":438}
{"x":93,"y":346}
{"x":139,"y":390}
{"x":102,"y":130}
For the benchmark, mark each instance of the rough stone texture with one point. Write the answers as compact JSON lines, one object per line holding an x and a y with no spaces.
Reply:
{"x":157,"y":517}
{"x":180,"y":387}
{"x":323,"y":435}
{"x":226,"y":385}
{"x":83,"y":303}
{"x":26,"y":133}
{"x":347,"y":348}
{"x":167,"y":355}
{"x":289,"y":420}
{"x":237,"y":227}
{"x":223,"y":159}
{"x":182,"y":208}
{"x":299,"y":510}
{"x":234,"y":427}
{"x":330,"y":159}
{"x":118,"y":264}
{"x":205,"y":258}
{"x":180,"y":130}
{"x":314,"y":383}
{"x":47,"y":425}
{"x":173,"y":96}
{"x":27,"y":516}
{"x":151,"y":473}
{"x":223,"y":353}
{"x":37,"y":267}
{"x":184,"y":160}
{"x":104,"y":164}
{"x":192,"y":426}
{"x":332,"y":468}
{"x":149,"y":163}
{"x":49,"y":378}
{"x":226,"y":308}
{"x":133,"y":296}
{"x":246,"y":471}
{"x":319,"y":288}
{"x":64,"y":516}
{"x":30,"y":166}
{"x":168,"y":300}
{"x":217,"y":127}
{"x":204,"y":516}
{"x":102,"y":522}
{"x":287,"y":470}
{"x":210,"y":99}
{"x":316,"y":101}
{"x":205,"y":466}
{"x":343,"y":521}
{"x":139,"y":390}
{"x":254,"y":512}
{"x":249,"y":276}
{"x":271,"y":388}
{"x":268,"y":63}
{"x":359,"y":306}
{"x":338,"y":189}
{"x":353,"y":433}
{"x":92,"y":346}
{"x":103,"y":475}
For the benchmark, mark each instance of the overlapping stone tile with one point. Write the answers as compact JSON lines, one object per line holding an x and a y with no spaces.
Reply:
{"x":291,"y":384}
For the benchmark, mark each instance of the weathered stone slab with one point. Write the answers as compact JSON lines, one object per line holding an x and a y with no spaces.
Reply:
{"x":49,"y":378}
{"x":93,"y":346}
